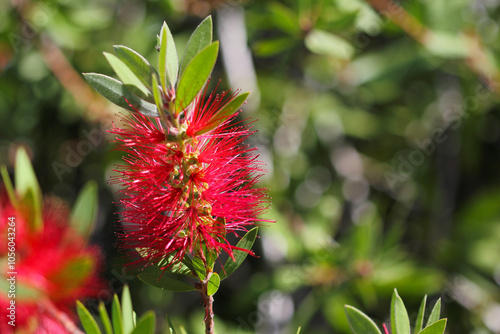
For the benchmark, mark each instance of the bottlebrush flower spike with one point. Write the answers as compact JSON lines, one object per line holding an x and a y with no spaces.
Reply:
{"x":180,"y":195}
{"x":49,"y":265}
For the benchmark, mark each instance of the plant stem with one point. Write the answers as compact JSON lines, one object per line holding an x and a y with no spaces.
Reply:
{"x":208,"y":302}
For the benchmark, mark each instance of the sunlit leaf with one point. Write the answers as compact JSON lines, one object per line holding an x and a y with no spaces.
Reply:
{"x":213,"y":284}
{"x":116,"y":92}
{"x":84,"y":212}
{"x":246,"y":242}
{"x":146,"y":324}
{"x":435,"y":313}
{"x":28,"y":189}
{"x":200,"y":39}
{"x":106,"y":322}
{"x":419,"y":323}
{"x":136,"y":63}
{"x":168,"y":61}
{"x":195,"y":76}
{"x":127,"y":310}
{"x":401,"y":316}
{"x":328,"y":44}
{"x":116,"y":316}
{"x":359,"y":322}
{"x":437,"y":327}
{"x":127,"y":77}
{"x":88,"y":322}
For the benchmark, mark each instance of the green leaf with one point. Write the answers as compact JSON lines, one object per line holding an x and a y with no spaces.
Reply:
{"x":419,"y":323}
{"x":435,"y":313}
{"x":8,"y":186}
{"x":88,"y":322}
{"x":84,"y":212}
{"x":116,"y":316}
{"x":199,"y":268}
{"x":224,"y":113}
{"x":28,"y":189}
{"x":157,"y":93}
{"x":171,"y":328}
{"x":393,"y":313}
{"x":168,"y":61}
{"x":437,"y":327}
{"x":168,"y":281}
{"x":246,"y":242}
{"x":116,"y":92}
{"x":146,"y":324}
{"x":127,"y":310}
{"x":447,"y":44}
{"x":127,"y":77}
{"x":106,"y":322}
{"x":285,"y":19}
{"x":136,"y":63}
{"x":359,"y":322}
{"x":195,"y":76}
{"x":325,"y":43}
{"x":213,"y":284}
{"x":200,"y":39}
{"x":401,"y":316}
{"x":273,"y":46}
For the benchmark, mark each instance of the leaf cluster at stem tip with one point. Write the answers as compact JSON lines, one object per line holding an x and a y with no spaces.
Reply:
{"x":169,"y":91}
{"x":360,"y":323}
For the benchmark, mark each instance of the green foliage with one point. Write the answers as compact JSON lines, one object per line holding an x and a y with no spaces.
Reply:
{"x":360,"y":323}
{"x":246,"y":242}
{"x":122,"y":315}
{"x":84,"y":212}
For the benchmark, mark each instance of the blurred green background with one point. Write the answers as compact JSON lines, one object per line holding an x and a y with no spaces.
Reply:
{"x":378,"y":122}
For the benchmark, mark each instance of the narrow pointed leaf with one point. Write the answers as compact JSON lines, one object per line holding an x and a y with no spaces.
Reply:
{"x":359,"y":322}
{"x":136,"y":63}
{"x":127,"y":77}
{"x":224,"y":113}
{"x":200,"y":39}
{"x":401,"y":316}
{"x":8,"y":186}
{"x":171,"y":328}
{"x":146,"y":324}
{"x":157,"y":93}
{"x":195,"y":76}
{"x":28,"y":189}
{"x":84,"y":212}
{"x":168,"y":281}
{"x":168,"y":61}
{"x":106,"y":322}
{"x":87,"y":320}
{"x":213,"y":284}
{"x":435,"y":313}
{"x":437,"y":327}
{"x":419,"y":323}
{"x":116,"y":316}
{"x":116,"y":92}
{"x":393,"y":313}
{"x":246,"y":242}
{"x":127,"y":310}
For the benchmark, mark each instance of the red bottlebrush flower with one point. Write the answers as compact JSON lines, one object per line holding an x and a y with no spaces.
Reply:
{"x":52,"y":268}
{"x":187,"y":185}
